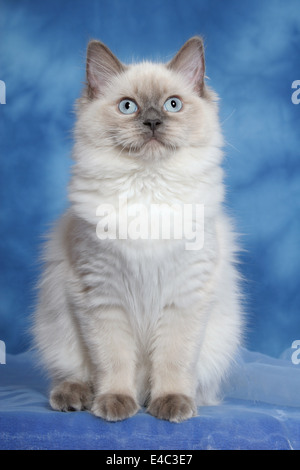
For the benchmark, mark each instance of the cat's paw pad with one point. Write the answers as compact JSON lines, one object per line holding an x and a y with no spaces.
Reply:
{"x":71,"y":396}
{"x":173,"y":407}
{"x":114,"y":406}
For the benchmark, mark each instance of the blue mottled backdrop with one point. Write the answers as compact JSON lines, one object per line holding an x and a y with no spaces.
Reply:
{"x":253,"y":58}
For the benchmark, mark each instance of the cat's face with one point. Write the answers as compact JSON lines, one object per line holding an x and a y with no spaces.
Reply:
{"x":147,"y":111}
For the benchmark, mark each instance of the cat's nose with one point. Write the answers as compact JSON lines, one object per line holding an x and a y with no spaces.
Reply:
{"x":152,"y":123}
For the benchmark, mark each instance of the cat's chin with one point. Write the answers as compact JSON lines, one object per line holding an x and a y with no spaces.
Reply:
{"x":153,"y":149}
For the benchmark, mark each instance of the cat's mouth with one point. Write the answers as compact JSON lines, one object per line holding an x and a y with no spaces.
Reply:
{"x":154,"y":140}
{"x":147,"y":144}
{"x":155,"y":146}
{"x":159,"y":144}
{"x":150,"y":147}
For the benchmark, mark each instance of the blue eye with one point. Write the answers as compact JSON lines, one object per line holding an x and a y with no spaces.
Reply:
{"x":173,"y":105}
{"x":128,"y":106}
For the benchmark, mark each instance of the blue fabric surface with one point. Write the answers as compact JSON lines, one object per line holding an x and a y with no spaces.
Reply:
{"x":257,"y":413}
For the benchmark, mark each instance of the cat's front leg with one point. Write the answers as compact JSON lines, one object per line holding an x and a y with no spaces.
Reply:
{"x":113,"y":354}
{"x":174,"y":354}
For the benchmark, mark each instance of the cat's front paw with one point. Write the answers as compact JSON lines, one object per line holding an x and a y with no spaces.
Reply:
{"x":71,"y":396}
{"x":114,"y":406}
{"x":173,"y":407}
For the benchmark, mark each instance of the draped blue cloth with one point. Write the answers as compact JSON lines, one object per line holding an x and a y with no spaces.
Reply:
{"x":260,"y":411}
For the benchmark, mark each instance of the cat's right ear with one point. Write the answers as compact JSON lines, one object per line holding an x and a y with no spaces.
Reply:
{"x":101,"y":65}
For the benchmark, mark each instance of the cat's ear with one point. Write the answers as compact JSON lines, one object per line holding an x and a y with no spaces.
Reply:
{"x":101,"y":65}
{"x":189,"y":61}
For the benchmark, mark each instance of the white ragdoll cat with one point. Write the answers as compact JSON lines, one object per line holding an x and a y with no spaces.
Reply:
{"x":124,"y":322}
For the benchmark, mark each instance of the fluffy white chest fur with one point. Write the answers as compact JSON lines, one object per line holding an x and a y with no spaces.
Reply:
{"x":125,"y":321}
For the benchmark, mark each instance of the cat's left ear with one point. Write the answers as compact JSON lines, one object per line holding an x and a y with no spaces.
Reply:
{"x":190,"y":62}
{"x":101,"y":66}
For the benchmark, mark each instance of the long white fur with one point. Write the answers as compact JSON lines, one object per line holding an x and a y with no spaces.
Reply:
{"x":145,"y":317}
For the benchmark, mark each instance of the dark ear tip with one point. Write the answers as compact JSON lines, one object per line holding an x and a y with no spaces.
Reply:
{"x":196,"y":38}
{"x":94,"y":44}
{"x":93,"y":41}
{"x":197,"y":41}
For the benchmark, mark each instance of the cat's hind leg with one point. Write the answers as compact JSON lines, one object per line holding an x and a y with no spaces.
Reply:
{"x":71,"y":396}
{"x":61,"y":349}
